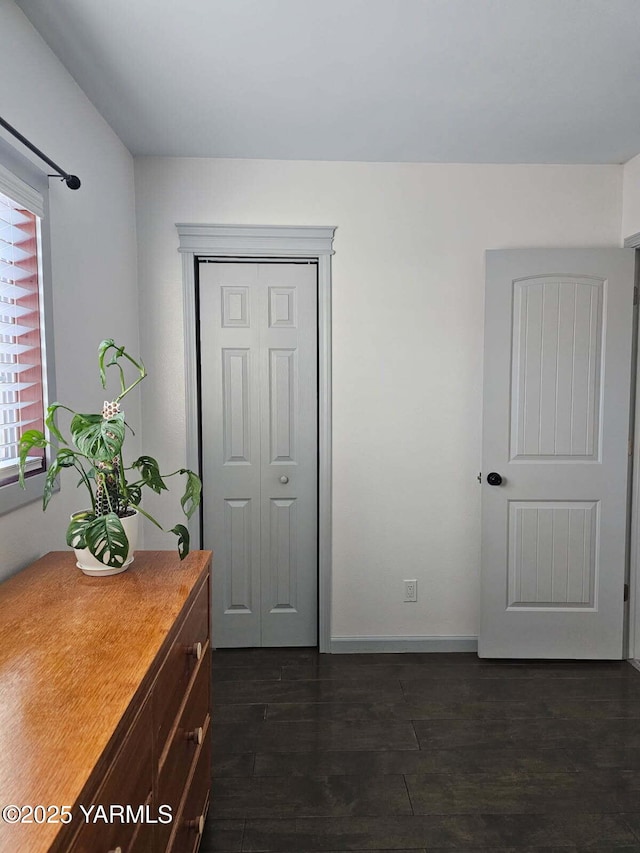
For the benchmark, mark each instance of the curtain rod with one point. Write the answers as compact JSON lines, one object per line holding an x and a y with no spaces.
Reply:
{"x":72,"y":181}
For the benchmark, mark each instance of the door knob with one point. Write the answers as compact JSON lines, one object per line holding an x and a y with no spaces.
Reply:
{"x":196,"y":735}
{"x":284,"y":479}
{"x":494,"y":479}
{"x":195,"y":650}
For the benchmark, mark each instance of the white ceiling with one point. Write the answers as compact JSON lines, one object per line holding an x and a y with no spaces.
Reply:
{"x":476,"y":81}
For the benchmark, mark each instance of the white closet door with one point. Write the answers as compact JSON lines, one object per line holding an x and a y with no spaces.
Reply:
{"x":258,"y":345}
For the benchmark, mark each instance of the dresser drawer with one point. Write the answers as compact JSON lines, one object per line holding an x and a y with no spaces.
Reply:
{"x":179,"y":666}
{"x":190,"y":820}
{"x":128,"y":781}
{"x":184,"y":743}
{"x":144,"y":839}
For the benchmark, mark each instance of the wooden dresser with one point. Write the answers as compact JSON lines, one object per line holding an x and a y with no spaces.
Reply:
{"x":105,"y":702}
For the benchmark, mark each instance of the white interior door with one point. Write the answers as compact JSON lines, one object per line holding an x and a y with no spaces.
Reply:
{"x":555,"y":466}
{"x":258,"y":345}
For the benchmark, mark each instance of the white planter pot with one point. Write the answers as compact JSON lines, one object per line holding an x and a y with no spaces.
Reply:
{"x":90,"y":566}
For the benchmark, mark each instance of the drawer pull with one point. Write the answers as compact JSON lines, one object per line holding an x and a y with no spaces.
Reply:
{"x":197,"y":824}
{"x":195,"y":650}
{"x":196,"y":735}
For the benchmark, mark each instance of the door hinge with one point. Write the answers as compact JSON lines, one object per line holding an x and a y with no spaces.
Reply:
{"x":626,"y":592}
{"x":630,"y":447}
{"x":635,"y":295}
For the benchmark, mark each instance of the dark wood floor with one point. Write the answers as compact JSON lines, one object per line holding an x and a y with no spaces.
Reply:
{"x":421,"y":752}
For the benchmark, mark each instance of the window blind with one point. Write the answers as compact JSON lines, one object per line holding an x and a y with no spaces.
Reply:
{"x":21,"y":373}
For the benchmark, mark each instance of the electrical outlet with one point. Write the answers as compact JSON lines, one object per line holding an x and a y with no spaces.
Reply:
{"x":411,"y":590}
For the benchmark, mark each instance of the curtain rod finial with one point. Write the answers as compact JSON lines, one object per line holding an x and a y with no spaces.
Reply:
{"x":73,"y":182}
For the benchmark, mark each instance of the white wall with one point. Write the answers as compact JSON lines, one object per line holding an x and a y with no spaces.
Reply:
{"x":631,"y":198}
{"x":408,"y":278}
{"x":93,"y":251}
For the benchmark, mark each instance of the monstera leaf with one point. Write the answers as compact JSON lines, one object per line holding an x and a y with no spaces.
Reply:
{"x":29,"y":439}
{"x":107,"y":541}
{"x":191,"y":498}
{"x":118,"y":353}
{"x":134,"y":495}
{"x":65,"y":458}
{"x":183,"y":539}
{"x":50,"y":420}
{"x":77,"y":528}
{"x":103,"y":348}
{"x":150,"y":473}
{"x":98,"y":438}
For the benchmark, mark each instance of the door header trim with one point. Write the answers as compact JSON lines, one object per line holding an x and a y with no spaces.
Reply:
{"x":255,"y":240}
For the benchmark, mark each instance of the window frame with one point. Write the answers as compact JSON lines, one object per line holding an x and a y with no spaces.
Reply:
{"x":12,"y":495}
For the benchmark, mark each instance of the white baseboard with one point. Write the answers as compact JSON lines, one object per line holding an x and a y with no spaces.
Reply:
{"x":345,"y":645}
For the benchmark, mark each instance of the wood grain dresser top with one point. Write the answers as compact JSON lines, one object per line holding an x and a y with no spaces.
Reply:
{"x":74,"y":650}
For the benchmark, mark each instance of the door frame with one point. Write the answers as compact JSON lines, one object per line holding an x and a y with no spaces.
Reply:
{"x":252,"y":242}
{"x":633,"y":615}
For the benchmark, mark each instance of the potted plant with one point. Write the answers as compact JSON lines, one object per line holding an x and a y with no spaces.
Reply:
{"x":104,"y":533}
